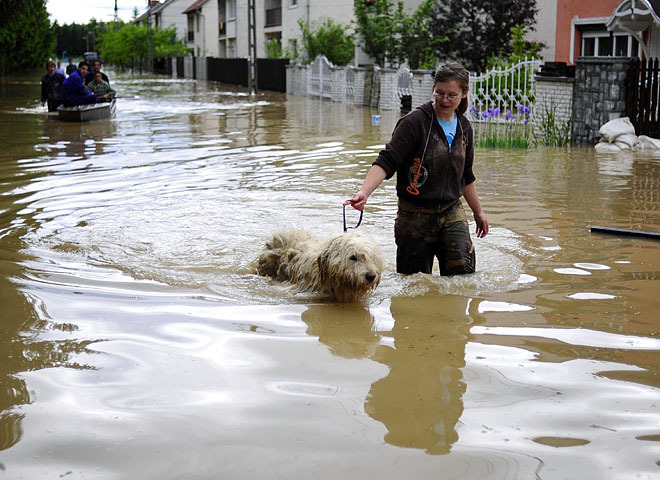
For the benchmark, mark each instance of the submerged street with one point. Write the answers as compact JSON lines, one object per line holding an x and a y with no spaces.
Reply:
{"x":137,"y":342}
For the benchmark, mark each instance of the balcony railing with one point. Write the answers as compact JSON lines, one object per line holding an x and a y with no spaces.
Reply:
{"x":274,"y":17}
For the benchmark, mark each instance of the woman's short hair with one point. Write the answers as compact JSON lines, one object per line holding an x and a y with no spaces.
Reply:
{"x":457,"y":72}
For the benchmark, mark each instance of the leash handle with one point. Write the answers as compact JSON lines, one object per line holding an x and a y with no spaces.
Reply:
{"x":359,"y":221}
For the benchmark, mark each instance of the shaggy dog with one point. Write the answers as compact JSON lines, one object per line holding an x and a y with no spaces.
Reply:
{"x":345,"y":266}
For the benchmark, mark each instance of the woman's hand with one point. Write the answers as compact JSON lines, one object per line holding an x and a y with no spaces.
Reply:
{"x":358,"y":201}
{"x":374,"y":178}
{"x":482,"y":224}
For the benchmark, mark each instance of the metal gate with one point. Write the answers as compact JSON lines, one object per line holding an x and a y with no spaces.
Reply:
{"x":642,"y":91}
{"x":503,"y":94}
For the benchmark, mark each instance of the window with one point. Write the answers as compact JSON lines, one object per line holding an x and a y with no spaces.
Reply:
{"x":601,"y":43}
{"x":231,"y":9}
{"x":293,"y":3}
{"x":588,"y":47}
{"x":621,"y":46}
{"x":605,"y":46}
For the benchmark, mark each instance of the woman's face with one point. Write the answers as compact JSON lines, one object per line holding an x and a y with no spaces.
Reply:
{"x":448,"y":95}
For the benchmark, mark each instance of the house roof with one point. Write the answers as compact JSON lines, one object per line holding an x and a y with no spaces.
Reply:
{"x":153,"y":7}
{"x":635,"y":15}
{"x":198,"y":4}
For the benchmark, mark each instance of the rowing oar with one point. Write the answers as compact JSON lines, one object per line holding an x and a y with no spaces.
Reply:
{"x":623,"y":231}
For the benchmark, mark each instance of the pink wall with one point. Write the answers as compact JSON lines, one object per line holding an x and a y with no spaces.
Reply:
{"x":566,"y":10}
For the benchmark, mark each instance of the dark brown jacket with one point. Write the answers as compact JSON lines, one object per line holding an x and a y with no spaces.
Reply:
{"x":444,"y":172}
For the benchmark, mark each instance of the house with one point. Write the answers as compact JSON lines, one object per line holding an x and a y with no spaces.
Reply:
{"x":169,"y":13}
{"x":641,"y":20}
{"x":202,"y":27}
{"x":219,"y":28}
{"x":597,"y":28}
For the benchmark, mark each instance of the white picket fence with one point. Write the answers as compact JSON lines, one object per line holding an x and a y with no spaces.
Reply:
{"x":498,"y":95}
{"x":347,"y":84}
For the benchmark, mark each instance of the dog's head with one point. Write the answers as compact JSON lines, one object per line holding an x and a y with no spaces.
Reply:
{"x":350,"y":265}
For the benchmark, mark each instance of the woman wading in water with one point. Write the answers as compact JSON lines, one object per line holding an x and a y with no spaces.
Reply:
{"x":431,"y":151}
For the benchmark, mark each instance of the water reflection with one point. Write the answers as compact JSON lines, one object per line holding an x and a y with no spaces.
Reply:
{"x":22,"y":350}
{"x":420,"y":400}
{"x":77,"y":140}
{"x":347,"y":329}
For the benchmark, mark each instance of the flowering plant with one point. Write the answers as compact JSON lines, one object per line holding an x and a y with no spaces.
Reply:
{"x":508,"y":129}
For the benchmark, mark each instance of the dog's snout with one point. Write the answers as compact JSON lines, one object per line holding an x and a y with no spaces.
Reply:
{"x":370,"y":277}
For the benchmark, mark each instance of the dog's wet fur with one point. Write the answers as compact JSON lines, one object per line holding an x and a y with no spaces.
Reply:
{"x":345,"y":267}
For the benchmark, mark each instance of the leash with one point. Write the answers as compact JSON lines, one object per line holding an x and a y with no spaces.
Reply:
{"x":356,"y":226}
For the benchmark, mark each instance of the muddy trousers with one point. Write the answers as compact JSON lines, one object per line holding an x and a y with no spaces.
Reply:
{"x":423,"y":234}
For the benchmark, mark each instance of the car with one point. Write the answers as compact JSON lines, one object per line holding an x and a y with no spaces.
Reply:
{"x":90,"y":56}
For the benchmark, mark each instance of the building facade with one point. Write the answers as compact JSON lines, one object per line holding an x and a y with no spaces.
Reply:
{"x":599,"y":28}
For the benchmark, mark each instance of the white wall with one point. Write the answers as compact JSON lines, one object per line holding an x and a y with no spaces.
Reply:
{"x":171,"y":14}
{"x":209,"y":40}
{"x":545,"y":28}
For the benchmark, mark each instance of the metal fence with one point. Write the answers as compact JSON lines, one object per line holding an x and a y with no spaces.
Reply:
{"x":272,"y":74}
{"x":643,"y":96}
{"x":320,"y":80}
{"x":504,"y":94}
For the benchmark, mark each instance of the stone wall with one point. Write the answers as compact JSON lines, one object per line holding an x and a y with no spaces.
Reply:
{"x":598,"y":95}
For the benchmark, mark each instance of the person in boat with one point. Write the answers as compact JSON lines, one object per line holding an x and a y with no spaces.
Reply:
{"x":432,"y":153}
{"x":101,"y":88}
{"x":95,"y":67}
{"x":51,"y":87}
{"x":60,"y":68}
{"x":74,"y":92}
{"x":70,"y":68}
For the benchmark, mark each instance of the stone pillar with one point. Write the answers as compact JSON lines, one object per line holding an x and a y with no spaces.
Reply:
{"x":289,"y":70}
{"x":422,"y":87}
{"x":367,"y":85}
{"x":338,"y":83}
{"x":358,"y":86}
{"x":598,"y":95}
{"x":388,"y":86}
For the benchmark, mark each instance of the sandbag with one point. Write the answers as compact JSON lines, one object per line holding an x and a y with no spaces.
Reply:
{"x":647,"y":143}
{"x":606,"y":147}
{"x":627,"y":141}
{"x":614,"y":128}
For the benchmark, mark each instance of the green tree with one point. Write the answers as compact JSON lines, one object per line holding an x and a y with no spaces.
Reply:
{"x":166,"y":43}
{"x":390,"y":35}
{"x":26,"y":37}
{"x":413,"y":43}
{"x":479,"y":29}
{"x":73,"y":38}
{"x":273,"y":48}
{"x":375,"y":23}
{"x":327,"y":38}
{"x":520,"y":48}
{"x":124,"y":46}
{"x":129,"y":45}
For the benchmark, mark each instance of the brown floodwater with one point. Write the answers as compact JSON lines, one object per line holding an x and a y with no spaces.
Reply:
{"x":136,"y":342}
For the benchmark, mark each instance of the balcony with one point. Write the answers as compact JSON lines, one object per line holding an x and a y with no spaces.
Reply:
{"x":274,"y":17}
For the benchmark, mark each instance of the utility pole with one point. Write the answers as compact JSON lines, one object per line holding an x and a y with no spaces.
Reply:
{"x":252,"y":47}
{"x":150,"y":59}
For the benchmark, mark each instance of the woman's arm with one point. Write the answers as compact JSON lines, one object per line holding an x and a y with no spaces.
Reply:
{"x":375,"y":177}
{"x":470,"y":194}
